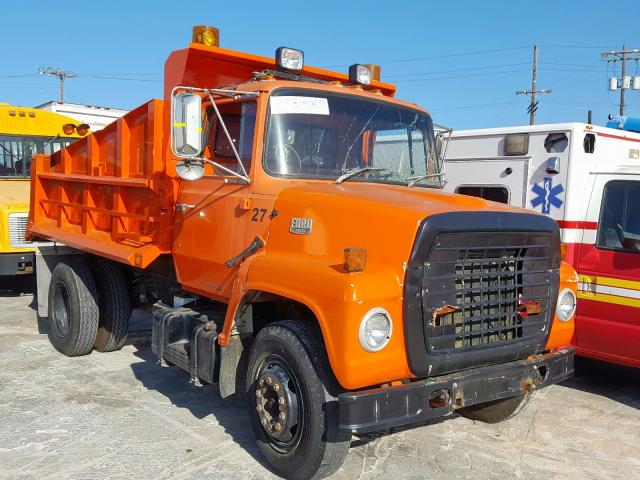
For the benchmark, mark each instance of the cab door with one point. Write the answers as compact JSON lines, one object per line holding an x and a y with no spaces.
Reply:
{"x":608,"y":311}
{"x":212,"y":212}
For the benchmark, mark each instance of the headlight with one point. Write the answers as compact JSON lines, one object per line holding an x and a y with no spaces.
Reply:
{"x":375,"y":329}
{"x":289,"y":59}
{"x":359,"y":74}
{"x":566,"y":305}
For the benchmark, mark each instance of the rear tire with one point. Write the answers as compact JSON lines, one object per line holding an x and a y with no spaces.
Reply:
{"x":73,"y":310}
{"x":496,"y":411}
{"x":114,"y":306}
{"x":308,"y":444}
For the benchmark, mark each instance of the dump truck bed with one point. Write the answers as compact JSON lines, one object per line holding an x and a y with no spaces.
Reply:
{"x":108,"y":193}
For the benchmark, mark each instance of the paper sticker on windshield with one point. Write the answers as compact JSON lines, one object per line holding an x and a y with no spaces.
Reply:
{"x":295,"y":104}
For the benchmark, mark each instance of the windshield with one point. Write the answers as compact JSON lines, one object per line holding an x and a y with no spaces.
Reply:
{"x":323,"y":135}
{"x":16,"y":152}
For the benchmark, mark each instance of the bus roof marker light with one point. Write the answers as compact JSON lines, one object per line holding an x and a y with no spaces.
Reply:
{"x":68,"y":128}
{"x":289,"y":59}
{"x":82,"y":129}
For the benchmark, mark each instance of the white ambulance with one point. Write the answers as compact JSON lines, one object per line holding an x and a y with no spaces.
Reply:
{"x":587,"y":178}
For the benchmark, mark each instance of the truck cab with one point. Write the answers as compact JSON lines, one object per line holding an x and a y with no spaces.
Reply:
{"x":286,"y":226}
{"x":586,"y":177}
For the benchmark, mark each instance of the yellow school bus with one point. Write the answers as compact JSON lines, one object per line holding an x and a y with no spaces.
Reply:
{"x":24,"y":132}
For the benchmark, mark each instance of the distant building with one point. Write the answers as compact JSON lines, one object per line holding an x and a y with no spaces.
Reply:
{"x":96,"y":117}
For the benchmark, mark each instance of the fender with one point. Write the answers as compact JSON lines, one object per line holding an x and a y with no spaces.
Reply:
{"x":338,"y":301}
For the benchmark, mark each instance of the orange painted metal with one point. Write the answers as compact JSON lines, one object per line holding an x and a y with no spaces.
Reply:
{"x":114,"y":194}
{"x":108,"y":193}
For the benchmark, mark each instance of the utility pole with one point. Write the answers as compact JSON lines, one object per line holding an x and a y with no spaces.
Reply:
{"x":626,"y":82}
{"x":533,"y":105}
{"x":61,"y":74}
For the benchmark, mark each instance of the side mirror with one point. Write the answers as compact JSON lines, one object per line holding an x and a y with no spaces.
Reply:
{"x":186,"y":131}
{"x":190,"y":169}
{"x":553,"y":166}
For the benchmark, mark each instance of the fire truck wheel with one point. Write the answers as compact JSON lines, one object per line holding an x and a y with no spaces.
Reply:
{"x":113,"y":303}
{"x":496,"y":411}
{"x":291,"y":402}
{"x":73,"y":310}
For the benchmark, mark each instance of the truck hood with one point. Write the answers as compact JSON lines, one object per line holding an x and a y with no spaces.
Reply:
{"x":382,"y":218}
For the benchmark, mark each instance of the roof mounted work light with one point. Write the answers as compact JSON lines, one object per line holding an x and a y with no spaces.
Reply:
{"x":359,"y":74}
{"x":289,"y":59}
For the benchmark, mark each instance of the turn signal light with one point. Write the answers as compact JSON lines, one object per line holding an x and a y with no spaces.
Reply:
{"x":355,"y":259}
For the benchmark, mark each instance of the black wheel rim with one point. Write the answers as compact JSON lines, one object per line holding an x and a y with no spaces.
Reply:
{"x":279,"y":404}
{"x":61,"y":309}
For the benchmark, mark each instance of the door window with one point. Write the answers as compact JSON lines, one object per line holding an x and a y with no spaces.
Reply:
{"x":619,"y":225}
{"x":495,"y":194}
{"x":240,"y":120}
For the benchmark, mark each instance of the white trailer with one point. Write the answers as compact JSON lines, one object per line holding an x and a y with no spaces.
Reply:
{"x":588,"y":179}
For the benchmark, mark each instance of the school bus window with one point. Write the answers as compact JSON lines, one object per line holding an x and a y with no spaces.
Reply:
{"x":619,"y":225}
{"x":494,"y":194}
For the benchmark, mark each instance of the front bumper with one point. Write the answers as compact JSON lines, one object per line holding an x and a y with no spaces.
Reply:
{"x":16,"y":263}
{"x":387,"y":407}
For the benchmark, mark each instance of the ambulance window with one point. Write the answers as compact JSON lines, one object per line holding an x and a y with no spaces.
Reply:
{"x":589,"y":143}
{"x":619,"y":225}
{"x":494,"y":194}
{"x":556,"y":142}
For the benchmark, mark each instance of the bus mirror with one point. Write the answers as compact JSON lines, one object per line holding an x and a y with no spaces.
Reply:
{"x":553,"y":166}
{"x":186,"y":118}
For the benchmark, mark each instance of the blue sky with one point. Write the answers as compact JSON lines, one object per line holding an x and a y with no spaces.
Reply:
{"x":462,"y":60}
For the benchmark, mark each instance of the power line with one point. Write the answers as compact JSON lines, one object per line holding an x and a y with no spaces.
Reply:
{"x":436,"y":57}
{"x":622,"y":56}
{"x":462,"y":76}
{"x":457,"y":70}
{"x":533,"y":105}
{"x":61,"y":74}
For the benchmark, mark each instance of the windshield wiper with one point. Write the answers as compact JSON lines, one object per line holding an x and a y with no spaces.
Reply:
{"x":357,"y":171}
{"x":411,"y":181}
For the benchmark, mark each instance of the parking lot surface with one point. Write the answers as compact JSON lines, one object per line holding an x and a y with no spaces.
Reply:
{"x":119,"y":416}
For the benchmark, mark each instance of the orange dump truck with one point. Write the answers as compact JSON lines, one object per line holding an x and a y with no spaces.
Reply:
{"x":287,"y":228}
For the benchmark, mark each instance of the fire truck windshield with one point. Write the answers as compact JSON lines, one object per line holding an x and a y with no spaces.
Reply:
{"x":340,"y":137}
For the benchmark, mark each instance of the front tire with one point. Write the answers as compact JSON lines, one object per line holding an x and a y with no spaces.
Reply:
{"x":73,"y":309}
{"x":291,"y":400}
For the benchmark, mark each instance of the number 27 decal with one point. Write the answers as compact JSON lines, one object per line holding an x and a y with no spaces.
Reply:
{"x":258,"y":214}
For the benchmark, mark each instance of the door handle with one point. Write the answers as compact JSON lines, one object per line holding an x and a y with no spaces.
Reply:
{"x":182,"y":207}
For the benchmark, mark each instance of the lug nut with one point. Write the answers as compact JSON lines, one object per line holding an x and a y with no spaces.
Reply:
{"x":282,"y":416}
{"x":259,"y":408}
{"x":281,"y":400}
{"x":258,"y":393}
{"x":277,"y":427}
{"x":276,"y":387}
{"x":268,"y":380}
{"x":261,"y":383}
{"x":264,"y":422}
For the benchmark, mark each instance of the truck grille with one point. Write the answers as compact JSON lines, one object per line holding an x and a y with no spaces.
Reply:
{"x":477,"y":288}
{"x":17,"y":230}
